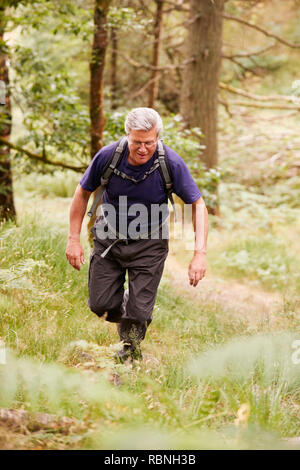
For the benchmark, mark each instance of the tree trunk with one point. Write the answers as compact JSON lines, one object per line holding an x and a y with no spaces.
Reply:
{"x":96,"y":84}
{"x":199,"y":97}
{"x":154,"y":78}
{"x":97,"y":72}
{"x":7,"y":207}
{"x":113,"y":68}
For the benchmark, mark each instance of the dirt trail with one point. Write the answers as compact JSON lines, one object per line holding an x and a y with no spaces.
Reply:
{"x":252,"y":304}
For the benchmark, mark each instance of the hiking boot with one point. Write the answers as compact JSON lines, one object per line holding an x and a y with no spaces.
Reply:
{"x":123,"y":354}
{"x":131,"y":333}
{"x":136,"y":354}
{"x":127,"y":352}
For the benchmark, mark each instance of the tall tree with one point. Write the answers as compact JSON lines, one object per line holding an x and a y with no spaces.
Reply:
{"x":199,"y":98}
{"x":113,"y":67}
{"x":154,"y":79}
{"x":7,"y":207}
{"x":97,"y":81}
{"x":97,"y":74}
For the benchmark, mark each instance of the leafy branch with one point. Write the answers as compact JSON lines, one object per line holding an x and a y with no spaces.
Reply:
{"x":261,"y":30}
{"x":252,"y":96}
{"x":41,"y":158}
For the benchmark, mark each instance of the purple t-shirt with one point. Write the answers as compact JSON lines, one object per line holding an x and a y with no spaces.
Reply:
{"x":149,"y":192}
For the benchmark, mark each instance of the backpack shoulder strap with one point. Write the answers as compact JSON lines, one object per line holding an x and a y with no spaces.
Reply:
{"x":166,"y":173}
{"x":113,"y":162}
{"x":165,"y":169}
{"x":107,"y":173}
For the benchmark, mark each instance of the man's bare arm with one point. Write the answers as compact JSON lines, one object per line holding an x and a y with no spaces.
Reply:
{"x":197,"y":267}
{"x":74,"y":251}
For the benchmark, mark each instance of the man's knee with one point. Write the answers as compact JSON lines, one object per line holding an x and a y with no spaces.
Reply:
{"x":97,"y":307}
{"x":101,"y":305}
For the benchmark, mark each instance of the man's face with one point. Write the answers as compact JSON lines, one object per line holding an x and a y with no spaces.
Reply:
{"x":142,"y":145}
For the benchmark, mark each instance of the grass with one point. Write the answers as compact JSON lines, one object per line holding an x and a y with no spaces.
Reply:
{"x":57,"y":184}
{"x":46,"y":323}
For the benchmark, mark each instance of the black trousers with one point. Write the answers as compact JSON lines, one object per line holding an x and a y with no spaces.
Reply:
{"x":144,"y":260}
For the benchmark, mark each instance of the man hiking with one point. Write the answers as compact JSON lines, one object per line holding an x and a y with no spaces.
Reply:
{"x":136,"y":176}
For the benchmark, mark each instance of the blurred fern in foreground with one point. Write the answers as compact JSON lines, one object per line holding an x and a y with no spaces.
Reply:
{"x":265,"y":358}
{"x":56,"y":389}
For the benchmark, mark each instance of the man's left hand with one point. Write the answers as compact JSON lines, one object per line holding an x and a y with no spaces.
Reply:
{"x":197,"y":268}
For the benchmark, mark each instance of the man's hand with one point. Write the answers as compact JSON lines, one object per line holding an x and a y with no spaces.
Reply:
{"x":197,"y":268}
{"x":75,"y":254}
{"x":74,"y":251}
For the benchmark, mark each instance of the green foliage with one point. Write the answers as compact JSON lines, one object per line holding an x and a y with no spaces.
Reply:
{"x":128,"y":19}
{"x":94,"y":403}
{"x":16,"y":276}
{"x":295,"y":88}
{"x":270,"y":62}
{"x":258,"y":263}
{"x":44,"y":81}
{"x":50,"y":387}
{"x":5,"y":120}
{"x":61,"y":17}
{"x":114,"y":126}
{"x":285,"y":194}
{"x":260,"y":244}
{"x":3,"y":46}
{"x":264,"y":359}
{"x":14,"y":3}
{"x":55,"y":119}
{"x":56,"y":184}
{"x":187,"y":143}
{"x":35,"y":272}
{"x":262,"y":369}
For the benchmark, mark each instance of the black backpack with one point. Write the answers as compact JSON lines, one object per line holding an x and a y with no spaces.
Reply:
{"x":160,"y":163}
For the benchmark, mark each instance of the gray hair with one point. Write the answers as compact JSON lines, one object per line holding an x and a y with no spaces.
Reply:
{"x":143,"y":119}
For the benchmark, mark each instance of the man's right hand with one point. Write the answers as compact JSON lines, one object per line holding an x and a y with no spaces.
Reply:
{"x":75,"y":254}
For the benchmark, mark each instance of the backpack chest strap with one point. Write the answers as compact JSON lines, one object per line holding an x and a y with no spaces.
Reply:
{"x":132,"y":179}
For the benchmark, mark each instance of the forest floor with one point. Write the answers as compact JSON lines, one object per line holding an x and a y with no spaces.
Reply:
{"x":247,"y":302}
{"x":163,"y":399}
{"x":218,"y":369}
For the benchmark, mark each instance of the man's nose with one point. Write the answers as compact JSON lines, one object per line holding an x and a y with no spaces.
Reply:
{"x":142,"y":146}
